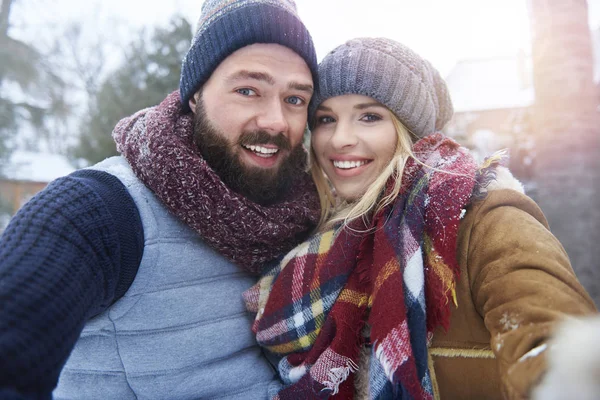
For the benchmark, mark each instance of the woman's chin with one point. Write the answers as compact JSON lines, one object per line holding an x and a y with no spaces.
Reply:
{"x":349,"y":194}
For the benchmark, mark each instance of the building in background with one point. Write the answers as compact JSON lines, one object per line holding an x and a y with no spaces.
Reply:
{"x":26,"y":174}
{"x":493,"y":106}
{"x":492,"y":100}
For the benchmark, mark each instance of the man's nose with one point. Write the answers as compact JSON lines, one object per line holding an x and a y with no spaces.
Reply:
{"x":272,"y":118}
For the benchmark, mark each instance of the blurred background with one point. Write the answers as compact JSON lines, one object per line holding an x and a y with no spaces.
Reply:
{"x":523,"y":75}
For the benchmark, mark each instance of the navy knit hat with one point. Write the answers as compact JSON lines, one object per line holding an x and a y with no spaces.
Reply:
{"x":392,"y":74}
{"x":226,"y":26}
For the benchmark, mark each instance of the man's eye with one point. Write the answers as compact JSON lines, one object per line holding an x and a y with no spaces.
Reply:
{"x":246,"y":92}
{"x":295,"y":100}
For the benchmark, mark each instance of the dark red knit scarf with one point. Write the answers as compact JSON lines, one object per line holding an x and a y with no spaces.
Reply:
{"x":158,"y":144}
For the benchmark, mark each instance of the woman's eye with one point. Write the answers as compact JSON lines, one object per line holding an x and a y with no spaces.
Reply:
{"x":325,"y":120}
{"x":295,"y":100}
{"x":246,"y":92}
{"x":371,"y":118}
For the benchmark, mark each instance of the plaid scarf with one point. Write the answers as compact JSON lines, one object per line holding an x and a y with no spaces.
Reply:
{"x":158,"y":144}
{"x":312,"y":306}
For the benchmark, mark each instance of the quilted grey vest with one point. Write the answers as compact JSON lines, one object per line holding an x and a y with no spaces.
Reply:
{"x":180,"y":332}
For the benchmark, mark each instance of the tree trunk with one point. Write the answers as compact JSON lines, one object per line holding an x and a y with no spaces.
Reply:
{"x":567,"y":132}
{"x":4,"y":14}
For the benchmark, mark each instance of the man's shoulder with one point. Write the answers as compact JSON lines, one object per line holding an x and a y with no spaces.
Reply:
{"x":94,"y":189}
{"x":103,"y":181}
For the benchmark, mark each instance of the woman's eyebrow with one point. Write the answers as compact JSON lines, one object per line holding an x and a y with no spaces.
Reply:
{"x":324,"y":108}
{"x":362,"y":106}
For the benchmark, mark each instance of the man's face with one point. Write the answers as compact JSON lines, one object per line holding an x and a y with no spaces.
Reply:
{"x":250,"y":118}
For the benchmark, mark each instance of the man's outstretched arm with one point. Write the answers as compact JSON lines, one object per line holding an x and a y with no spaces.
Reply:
{"x":65,"y":256}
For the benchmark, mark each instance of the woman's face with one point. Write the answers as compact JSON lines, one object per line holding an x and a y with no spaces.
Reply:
{"x":354,"y":139}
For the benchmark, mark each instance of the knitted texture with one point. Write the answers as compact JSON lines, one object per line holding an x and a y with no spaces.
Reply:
{"x":392,"y":74}
{"x":64,"y":257}
{"x":158,"y":144}
{"x":311,"y":307}
{"x":228,"y":25}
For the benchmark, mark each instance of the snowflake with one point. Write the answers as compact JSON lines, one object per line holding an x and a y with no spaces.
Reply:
{"x":508,"y":323}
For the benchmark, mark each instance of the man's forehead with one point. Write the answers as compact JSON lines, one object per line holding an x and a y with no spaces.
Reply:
{"x":265,"y":61}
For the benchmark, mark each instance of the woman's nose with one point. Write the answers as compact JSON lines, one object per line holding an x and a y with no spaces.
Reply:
{"x":344,"y":136}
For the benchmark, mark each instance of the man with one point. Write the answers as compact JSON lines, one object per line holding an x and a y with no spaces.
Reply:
{"x":133,"y":269}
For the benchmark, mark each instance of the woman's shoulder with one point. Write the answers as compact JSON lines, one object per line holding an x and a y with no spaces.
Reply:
{"x":501,"y":194}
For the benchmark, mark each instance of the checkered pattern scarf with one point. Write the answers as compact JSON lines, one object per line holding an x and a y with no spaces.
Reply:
{"x":312,"y":306}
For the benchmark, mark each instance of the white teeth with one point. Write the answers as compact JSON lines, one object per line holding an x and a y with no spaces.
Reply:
{"x":348,"y":164}
{"x":262,"y":150}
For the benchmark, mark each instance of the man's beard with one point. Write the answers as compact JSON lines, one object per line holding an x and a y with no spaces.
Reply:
{"x":264,"y":186}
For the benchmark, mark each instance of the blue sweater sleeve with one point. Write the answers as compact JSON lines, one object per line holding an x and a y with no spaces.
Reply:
{"x":65,"y":256}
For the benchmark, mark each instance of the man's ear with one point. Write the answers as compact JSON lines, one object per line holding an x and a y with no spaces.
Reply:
{"x":193,"y":100}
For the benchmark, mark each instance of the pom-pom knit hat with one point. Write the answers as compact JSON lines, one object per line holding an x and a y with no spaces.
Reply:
{"x":390,"y":73}
{"x":228,"y":25}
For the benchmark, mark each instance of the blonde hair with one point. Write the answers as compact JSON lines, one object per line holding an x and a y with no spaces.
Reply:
{"x":373,"y":200}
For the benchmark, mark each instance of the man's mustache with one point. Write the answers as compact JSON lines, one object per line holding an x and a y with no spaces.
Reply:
{"x":262,"y":137}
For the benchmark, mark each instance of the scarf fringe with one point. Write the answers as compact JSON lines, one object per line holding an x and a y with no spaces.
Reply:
{"x":487,"y":173}
{"x":338,"y":375}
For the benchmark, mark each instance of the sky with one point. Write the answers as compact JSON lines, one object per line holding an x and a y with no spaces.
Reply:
{"x":442,"y":31}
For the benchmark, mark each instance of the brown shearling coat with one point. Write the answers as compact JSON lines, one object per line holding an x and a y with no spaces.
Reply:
{"x":516,"y":283}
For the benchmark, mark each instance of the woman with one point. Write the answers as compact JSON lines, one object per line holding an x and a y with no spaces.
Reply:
{"x":430,"y":276}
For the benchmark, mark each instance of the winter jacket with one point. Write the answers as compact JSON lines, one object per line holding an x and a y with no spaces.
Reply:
{"x":181,"y":329}
{"x":516,"y":283}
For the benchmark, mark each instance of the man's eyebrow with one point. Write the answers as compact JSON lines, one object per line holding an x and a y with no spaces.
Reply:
{"x":256,"y":75}
{"x":304,"y":87}
{"x":362,"y":106}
